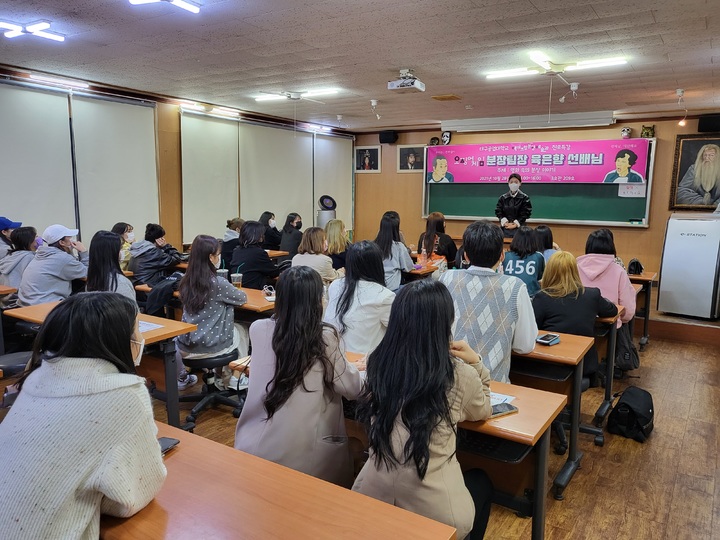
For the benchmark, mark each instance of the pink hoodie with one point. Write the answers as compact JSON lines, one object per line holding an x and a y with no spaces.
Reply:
{"x":603,"y":272}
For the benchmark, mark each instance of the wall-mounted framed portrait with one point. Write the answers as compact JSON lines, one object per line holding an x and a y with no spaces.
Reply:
{"x":410,"y":158}
{"x":367,"y":159}
{"x":696,"y":173}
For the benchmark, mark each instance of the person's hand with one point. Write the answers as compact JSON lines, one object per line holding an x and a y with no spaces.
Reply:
{"x":78,"y":246}
{"x":555,"y":246}
{"x":160,"y":242}
{"x":463,"y":351}
{"x":361,"y":364}
{"x":511,"y":225}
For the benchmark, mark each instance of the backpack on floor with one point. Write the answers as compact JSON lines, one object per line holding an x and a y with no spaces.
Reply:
{"x":626,"y":354}
{"x":632,"y":416}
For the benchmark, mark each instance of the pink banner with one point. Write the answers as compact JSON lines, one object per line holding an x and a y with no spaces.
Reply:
{"x":621,"y":161}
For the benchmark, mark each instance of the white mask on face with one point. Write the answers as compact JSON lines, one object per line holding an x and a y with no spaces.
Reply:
{"x":271,"y":222}
{"x":217,"y":263}
{"x":130,"y":237}
{"x":514,"y":187}
{"x":138,"y":357}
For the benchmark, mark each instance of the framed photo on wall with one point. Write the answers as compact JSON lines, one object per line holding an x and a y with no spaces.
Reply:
{"x":410,"y":158}
{"x":696,"y":173}
{"x":367,"y":159}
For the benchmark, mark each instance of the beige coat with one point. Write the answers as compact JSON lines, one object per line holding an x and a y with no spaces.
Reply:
{"x":442,"y":494}
{"x":308,"y":432}
{"x":322,"y":264}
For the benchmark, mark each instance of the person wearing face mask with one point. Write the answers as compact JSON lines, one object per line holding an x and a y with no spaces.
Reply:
{"x":152,"y":258}
{"x":231,"y":240}
{"x":514,"y":207}
{"x":208,"y":302}
{"x":251,"y":260}
{"x":272,"y":235}
{"x":49,"y":276}
{"x":84,"y":414}
{"x":104,"y":272}
{"x":127,"y":233}
{"x":291,"y":235}
{"x":25,"y":243}
{"x":311,"y":252}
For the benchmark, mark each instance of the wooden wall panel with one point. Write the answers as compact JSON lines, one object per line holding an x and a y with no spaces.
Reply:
{"x":170,"y":173}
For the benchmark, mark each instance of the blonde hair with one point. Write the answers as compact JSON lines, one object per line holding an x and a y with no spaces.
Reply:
{"x":561,"y":277}
{"x":336,"y":236}
{"x":313,"y":241}
{"x":235,"y":223}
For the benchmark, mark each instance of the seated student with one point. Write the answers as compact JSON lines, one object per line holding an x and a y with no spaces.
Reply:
{"x":493,"y":311}
{"x":208,"y":301}
{"x":6,"y":228}
{"x":359,"y":304}
{"x":104,"y":272}
{"x":272,"y":235}
{"x":80,"y":439}
{"x":312,"y":253}
{"x":419,"y":386}
{"x":598,"y":268}
{"x":12,"y":266}
{"x":338,"y":242}
{"x":231,"y":240}
{"x":435,"y":242}
{"x":291,"y":236}
{"x":152,"y":258}
{"x":293,"y":414}
{"x":48,"y":277}
{"x":546,"y":245}
{"x":396,"y":258}
{"x":251,"y":260}
{"x":127,"y":233}
{"x":565,"y":305}
{"x":524,"y":261}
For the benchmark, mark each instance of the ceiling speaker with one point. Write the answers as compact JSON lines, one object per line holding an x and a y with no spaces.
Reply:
{"x":388,"y":137}
{"x":709,"y":123}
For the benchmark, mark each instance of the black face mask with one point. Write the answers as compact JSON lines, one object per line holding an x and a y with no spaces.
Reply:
{"x":298,"y":225}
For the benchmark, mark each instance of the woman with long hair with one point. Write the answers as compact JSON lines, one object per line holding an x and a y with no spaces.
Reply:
{"x":359,"y":304}
{"x":523,"y":260}
{"x":251,"y":260}
{"x":231,"y":240}
{"x":272,"y":235}
{"x":24,"y":244}
{"x":565,"y":305}
{"x":419,"y":386}
{"x":127,"y":233}
{"x":435,"y":242}
{"x":104,"y":272}
{"x":87,"y":418}
{"x":396,"y":258}
{"x":291,"y":235}
{"x":338,"y":242}
{"x":311,"y":252}
{"x":293,"y":413}
{"x":208,"y":301}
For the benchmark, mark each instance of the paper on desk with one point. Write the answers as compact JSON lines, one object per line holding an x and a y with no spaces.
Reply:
{"x":496,"y":398}
{"x":144,"y":326}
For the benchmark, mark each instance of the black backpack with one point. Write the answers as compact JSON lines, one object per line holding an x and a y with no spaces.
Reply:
{"x":626,"y":354}
{"x":635,"y":267}
{"x":632,"y":416}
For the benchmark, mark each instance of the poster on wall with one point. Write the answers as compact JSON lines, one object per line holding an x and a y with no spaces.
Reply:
{"x":617,"y":161}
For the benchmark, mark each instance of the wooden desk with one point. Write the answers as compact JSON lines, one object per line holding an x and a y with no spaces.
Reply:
{"x":163,"y":336}
{"x":611,"y":324}
{"x":256,"y":301}
{"x":181,"y":266}
{"x":4,"y":290}
{"x":646,"y":281}
{"x":276,"y":254}
{"x":570,"y":352}
{"x":422,"y":272}
{"x":214,"y":491}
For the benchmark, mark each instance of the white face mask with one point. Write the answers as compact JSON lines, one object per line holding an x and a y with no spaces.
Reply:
{"x":271,"y":223}
{"x":130,"y":237}
{"x":514,"y":187}
{"x":217,"y":263}
{"x":138,"y":357}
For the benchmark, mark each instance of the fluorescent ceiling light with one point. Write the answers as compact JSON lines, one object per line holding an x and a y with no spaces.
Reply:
{"x":321,"y":92}
{"x":36,"y":27}
{"x":59,"y":82}
{"x":540,"y":58}
{"x":10,"y":26}
{"x":543,"y":121}
{"x":271,"y":97}
{"x":49,"y":35}
{"x":14,"y":33}
{"x":184,"y":4}
{"x":140,"y":2}
{"x":518,"y":72}
{"x":224,"y":111}
{"x":603,"y":62}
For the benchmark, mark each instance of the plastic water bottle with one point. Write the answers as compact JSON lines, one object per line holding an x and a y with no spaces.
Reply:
{"x":422,"y":258}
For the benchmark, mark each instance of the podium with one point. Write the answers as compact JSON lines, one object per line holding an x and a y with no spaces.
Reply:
{"x":690,"y":266}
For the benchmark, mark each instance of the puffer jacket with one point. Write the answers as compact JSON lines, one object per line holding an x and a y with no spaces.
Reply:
{"x":151,"y":264}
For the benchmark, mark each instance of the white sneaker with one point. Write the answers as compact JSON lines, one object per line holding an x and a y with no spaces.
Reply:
{"x":238,"y":384}
{"x":188,"y":381}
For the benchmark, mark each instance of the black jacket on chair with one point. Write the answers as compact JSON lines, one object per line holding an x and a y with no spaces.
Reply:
{"x":255,"y":266}
{"x":151,"y":264}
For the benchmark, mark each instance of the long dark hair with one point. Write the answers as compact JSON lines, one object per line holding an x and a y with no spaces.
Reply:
{"x":22,"y":239}
{"x":288,"y":227}
{"x":409,"y":375}
{"x":389,"y":232}
{"x":88,"y":325}
{"x":434,"y":226}
{"x":201,"y":275}
{"x":363,"y":263}
{"x":266,"y":217}
{"x":297,"y":341}
{"x":252,"y":233}
{"x":104,"y":263}
{"x":524,"y":242}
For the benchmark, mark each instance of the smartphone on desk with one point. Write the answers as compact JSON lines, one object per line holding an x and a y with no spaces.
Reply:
{"x":167,"y":444}
{"x":548,"y":339}
{"x":501,"y":409}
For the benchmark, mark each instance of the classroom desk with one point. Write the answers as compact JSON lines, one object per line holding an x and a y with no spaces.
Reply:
{"x":214,"y":491}
{"x":611,"y":324}
{"x":162,"y":336}
{"x":4,"y":290}
{"x":569,"y":352}
{"x":256,"y":301}
{"x":646,"y":281}
{"x":420,"y":273}
{"x":272,"y":253}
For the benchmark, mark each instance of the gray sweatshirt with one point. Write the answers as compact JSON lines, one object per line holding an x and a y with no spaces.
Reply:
{"x":11,"y":270}
{"x":49,"y":275}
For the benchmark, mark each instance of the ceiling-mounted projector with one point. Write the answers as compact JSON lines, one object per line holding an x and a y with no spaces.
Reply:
{"x":406,"y":83}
